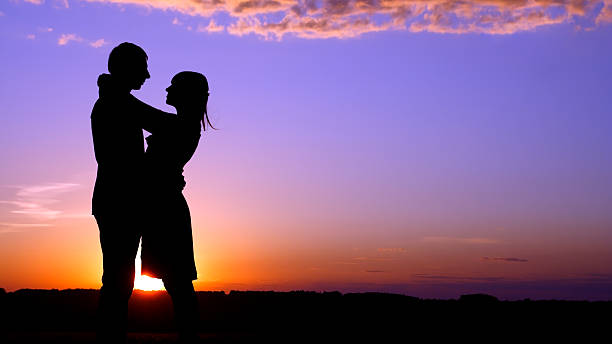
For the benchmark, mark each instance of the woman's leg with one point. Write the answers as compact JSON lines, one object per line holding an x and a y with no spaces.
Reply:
{"x":185,"y":304}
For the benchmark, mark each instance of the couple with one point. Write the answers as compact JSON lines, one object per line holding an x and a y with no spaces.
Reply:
{"x":138,"y":194}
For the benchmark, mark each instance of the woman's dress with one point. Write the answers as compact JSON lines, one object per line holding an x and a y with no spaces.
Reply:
{"x":167,"y":244}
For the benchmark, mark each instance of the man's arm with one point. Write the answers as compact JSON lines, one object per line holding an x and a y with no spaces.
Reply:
{"x":146,"y":116}
{"x":150,"y":118}
{"x":111,"y":138}
{"x":104,"y":133}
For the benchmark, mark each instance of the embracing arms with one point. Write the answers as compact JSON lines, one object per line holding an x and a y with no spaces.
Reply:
{"x":141,"y":113}
{"x":149,"y":118}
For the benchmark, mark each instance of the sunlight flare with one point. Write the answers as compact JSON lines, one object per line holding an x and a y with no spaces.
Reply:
{"x":143,"y":282}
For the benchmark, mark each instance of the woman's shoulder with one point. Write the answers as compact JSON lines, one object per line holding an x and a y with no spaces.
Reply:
{"x":190,"y":128}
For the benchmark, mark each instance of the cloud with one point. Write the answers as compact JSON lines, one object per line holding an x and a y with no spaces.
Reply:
{"x":32,"y":209}
{"x":275,"y":19}
{"x":605,"y":15}
{"x":18,"y":227}
{"x":36,"y":201}
{"x":504,"y":259}
{"x":373,"y":259}
{"x":391,"y":250}
{"x":99,"y":43}
{"x":457,"y":240}
{"x":456,"y":278}
{"x":176,"y":21}
{"x":593,"y":277}
{"x":212,"y":27}
{"x":66,"y":38}
{"x":366,"y":260}
{"x":45,"y":189}
{"x":35,"y":2}
{"x":24,"y":225}
{"x":375,"y":271}
{"x":43,"y":30}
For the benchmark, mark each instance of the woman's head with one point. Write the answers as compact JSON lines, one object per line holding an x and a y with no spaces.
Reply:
{"x":189,"y":88}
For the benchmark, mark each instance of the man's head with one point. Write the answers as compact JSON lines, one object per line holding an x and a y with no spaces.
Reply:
{"x":127,"y":63}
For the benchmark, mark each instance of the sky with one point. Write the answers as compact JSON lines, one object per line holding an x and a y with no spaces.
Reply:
{"x":429,"y":148}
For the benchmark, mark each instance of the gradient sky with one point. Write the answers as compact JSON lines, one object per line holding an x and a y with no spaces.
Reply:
{"x":430,"y":148}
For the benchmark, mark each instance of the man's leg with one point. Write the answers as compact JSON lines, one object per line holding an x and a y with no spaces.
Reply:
{"x":119,"y":241}
{"x":185,"y":304}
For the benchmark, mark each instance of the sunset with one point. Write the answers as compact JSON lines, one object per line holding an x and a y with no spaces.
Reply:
{"x":428,"y":148}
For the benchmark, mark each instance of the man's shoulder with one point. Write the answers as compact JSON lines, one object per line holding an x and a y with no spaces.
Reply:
{"x":101,"y":107}
{"x":108,"y":105}
{"x":98,"y":107}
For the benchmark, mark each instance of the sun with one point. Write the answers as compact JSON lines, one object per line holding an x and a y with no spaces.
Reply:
{"x":147,"y":283}
{"x":143,"y":282}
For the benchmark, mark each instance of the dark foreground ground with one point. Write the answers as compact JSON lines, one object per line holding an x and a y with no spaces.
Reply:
{"x":68,"y":316}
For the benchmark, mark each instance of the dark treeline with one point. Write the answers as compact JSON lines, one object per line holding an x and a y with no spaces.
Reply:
{"x":317,"y":315}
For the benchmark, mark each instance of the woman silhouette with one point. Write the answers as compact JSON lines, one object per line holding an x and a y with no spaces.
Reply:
{"x":167,"y":244}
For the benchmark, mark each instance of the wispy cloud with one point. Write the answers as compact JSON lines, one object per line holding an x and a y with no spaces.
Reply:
{"x":274,"y":19}
{"x":456,"y":278}
{"x":41,"y":30}
{"x":594,"y":277}
{"x":45,"y":189}
{"x":32,"y":209}
{"x":37,"y":201}
{"x":19,"y":227}
{"x":373,"y":259}
{"x":391,"y":250}
{"x":460,"y":240}
{"x":212,"y":27}
{"x":25,"y":225}
{"x":99,"y":43}
{"x":504,"y":259}
{"x":346,"y":263}
{"x":367,"y":259}
{"x":66,"y":38}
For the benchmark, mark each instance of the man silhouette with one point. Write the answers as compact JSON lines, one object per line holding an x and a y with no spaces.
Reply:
{"x":117,"y":120}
